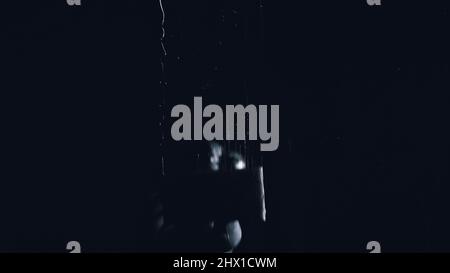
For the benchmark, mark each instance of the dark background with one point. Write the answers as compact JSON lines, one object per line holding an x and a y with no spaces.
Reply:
{"x":363,"y":93}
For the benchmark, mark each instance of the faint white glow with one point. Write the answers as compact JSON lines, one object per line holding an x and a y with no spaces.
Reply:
{"x":216,"y":154}
{"x":238,"y":161}
{"x":240,"y":165}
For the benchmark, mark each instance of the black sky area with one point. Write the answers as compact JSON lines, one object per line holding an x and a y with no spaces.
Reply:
{"x":364,"y":106}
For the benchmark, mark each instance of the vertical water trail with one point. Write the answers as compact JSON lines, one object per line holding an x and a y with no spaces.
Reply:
{"x":262,"y":49}
{"x":163,"y":83}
